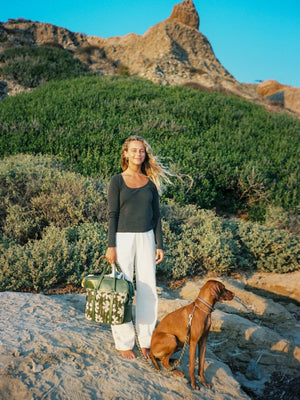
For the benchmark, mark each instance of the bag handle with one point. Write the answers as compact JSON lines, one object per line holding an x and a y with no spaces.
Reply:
{"x":114,"y":267}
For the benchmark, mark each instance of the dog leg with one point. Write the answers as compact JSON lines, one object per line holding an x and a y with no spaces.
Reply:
{"x":193,"y":346}
{"x":201,"y":357}
{"x":165,"y":362}
{"x":154,"y":361}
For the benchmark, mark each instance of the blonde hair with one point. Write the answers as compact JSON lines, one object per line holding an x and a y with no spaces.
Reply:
{"x":151,"y":167}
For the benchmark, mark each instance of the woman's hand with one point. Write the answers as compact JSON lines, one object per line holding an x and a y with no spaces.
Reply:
{"x":160,"y":255}
{"x":111,"y":255}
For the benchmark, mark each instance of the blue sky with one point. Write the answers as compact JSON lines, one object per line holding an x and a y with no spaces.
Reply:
{"x":253,"y":39}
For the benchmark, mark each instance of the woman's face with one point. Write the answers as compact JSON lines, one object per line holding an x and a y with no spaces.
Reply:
{"x":136,"y":153}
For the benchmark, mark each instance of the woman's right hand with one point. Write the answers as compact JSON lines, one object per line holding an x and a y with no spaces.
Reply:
{"x":111,"y":255}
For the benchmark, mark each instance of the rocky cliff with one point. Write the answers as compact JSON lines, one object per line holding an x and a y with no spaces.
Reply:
{"x":173,"y":52}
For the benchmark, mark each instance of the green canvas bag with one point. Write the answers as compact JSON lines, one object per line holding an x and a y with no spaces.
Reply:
{"x":108,"y":298}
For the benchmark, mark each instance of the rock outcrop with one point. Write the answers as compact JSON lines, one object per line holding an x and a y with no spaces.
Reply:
{"x":173,"y":52}
{"x":169,"y":55}
{"x":55,"y":353}
{"x":268,"y":88}
{"x":28,"y":33}
{"x":287,"y":96}
{"x":275,"y":286}
{"x":186,"y":14}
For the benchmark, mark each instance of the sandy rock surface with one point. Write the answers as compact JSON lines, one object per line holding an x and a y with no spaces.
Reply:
{"x":49,"y":351}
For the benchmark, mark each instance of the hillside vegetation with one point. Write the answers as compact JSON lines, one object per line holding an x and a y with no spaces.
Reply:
{"x":228,"y":154}
{"x":53,"y":229}
{"x":33,"y":66}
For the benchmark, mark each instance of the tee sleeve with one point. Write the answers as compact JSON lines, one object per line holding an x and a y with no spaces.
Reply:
{"x":113,"y":210}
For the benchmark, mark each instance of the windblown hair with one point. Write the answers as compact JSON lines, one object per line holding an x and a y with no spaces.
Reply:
{"x":151,"y":167}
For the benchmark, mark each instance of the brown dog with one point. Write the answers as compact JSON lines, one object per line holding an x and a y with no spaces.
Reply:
{"x":171,"y":333}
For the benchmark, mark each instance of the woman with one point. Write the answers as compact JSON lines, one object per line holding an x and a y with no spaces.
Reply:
{"x":135,"y":236}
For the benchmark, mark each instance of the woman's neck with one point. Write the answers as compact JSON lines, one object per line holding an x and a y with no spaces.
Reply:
{"x":133,"y":170}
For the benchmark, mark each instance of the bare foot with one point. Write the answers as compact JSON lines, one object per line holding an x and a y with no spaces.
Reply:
{"x":146,"y":352}
{"x":127,"y":354}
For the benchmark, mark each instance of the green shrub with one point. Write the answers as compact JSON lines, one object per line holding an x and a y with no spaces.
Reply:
{"x":278,"y":218}
{"x":37,"y":192}
{"x":62,"y":257}
{"x":32,"y":66}
{"x":273,"y":250}
{"x":3,"y":38}
{"x":232,"y":155}
{"x":198,"y":241}
{"x":123,"y":70}
{"x":53,"y":230}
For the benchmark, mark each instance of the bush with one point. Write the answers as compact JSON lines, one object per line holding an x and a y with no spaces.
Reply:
{"x":37,"y":192}
{"x":273,"y":250}
{"x":232,"y":155}
{"x":53,"y":230}
{"x":278,"y":218}
{"x":123,"y":70}
{"x":198,"y":241}
{"x":62,"y":257}
{"x":32,"y":66}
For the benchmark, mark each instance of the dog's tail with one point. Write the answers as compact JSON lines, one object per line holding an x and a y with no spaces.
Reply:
{"x":154,"y":360}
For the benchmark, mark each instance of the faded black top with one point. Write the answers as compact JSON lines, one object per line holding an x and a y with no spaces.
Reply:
{"x":133,"y":210}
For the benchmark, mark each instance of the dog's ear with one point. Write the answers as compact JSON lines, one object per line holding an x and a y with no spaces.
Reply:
{"x":216,"y":290}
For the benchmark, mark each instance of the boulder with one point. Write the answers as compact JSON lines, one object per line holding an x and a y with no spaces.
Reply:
{"x":292,"y":99}
{"x":269,"y":87}
{"x":279,"y":286}
{"x":288,"y":96}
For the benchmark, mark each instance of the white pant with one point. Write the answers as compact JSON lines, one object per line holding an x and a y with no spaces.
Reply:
{"x":138,"y":250}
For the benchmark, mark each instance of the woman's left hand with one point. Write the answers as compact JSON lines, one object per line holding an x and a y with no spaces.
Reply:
{"x":160,"y":255}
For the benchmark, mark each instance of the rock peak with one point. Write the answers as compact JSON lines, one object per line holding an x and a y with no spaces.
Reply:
{"x":186,"y":13}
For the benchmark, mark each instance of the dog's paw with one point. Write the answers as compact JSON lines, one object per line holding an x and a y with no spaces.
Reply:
{"x":206,"y":385}
{"x":195,"y":386}
{"x":178,"y":373}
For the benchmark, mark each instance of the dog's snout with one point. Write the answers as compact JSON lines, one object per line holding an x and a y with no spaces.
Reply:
{"x":228,"y":294}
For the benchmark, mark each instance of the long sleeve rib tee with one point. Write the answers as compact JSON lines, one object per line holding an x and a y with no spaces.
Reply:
{"x":133,"y":210}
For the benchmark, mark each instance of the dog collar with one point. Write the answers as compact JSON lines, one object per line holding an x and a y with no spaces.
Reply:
{"x":205,"y":303}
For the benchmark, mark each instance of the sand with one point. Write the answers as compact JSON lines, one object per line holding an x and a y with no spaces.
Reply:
{"x":49,"y":351}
